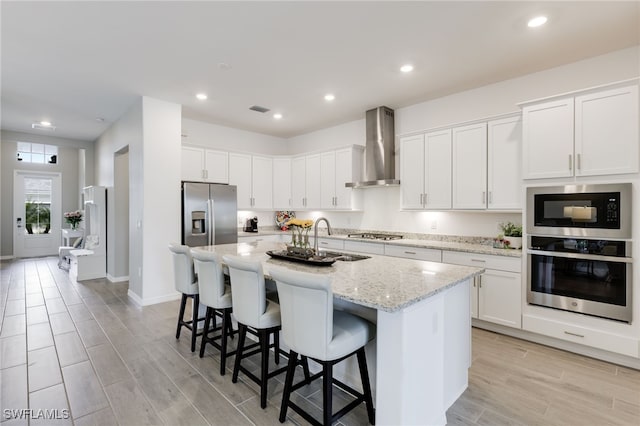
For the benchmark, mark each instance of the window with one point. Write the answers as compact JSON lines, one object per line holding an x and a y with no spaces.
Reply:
{"x":37,"y":153}
{"x":37,"y":205}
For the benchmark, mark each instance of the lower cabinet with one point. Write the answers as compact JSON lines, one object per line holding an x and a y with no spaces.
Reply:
{"x":496,"y":295}
{"x":364,"y":247}
{"x":418,"y":253}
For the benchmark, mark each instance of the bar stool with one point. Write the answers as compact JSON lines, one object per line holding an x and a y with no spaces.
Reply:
{"x":253,"y":312}
{"x":311,"y":327}
{"x":216,"y":296}
{"x":186,"y":282}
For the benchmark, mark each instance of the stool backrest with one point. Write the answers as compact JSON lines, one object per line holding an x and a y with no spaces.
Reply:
{"x":184,"y":277}
{"x":210,"y":277}
{"x":247,"y":290}
{"x":306,"y":311}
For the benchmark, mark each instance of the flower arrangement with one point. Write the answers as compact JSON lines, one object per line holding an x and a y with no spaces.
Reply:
{"x":510,"y":229}
{"x":299,"y":231}
{"x":73,"y":218}
{"x":511,"y":236}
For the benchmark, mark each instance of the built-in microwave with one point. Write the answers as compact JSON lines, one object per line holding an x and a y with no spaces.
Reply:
{"x":592,"y":211}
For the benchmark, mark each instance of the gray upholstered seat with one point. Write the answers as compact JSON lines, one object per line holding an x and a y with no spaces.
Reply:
{"x":186,"y":282}
{"x":311,"y":328}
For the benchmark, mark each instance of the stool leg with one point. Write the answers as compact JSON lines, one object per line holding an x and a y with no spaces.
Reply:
{"x":229,"y":322}
{"x":276,"y":344}
{"x":366,"y":386}
{"x":194,"y":321}
{"x":223,"y":343}
{"x":264,"y":374}
{"x":205,"y":331}
{"x":305,"y":369}
{"x":242,"y":331}
{"x":183,"y":304}
{"x":327,"y":393}
{"x":288,"y":383}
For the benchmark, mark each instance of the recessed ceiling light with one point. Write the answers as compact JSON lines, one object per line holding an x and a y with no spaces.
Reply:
{"x":224,"y":66}
{"x":537,"y":21}
{"x":329,"y":97}
{"x":45,"y":123}
{"x":202,"y":96}
{"x":100,"y":119}
{"x":277,"y":116}
{"x":406,"y":68}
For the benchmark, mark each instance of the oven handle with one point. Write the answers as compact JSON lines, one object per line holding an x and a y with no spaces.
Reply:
{"x":581,"y":256}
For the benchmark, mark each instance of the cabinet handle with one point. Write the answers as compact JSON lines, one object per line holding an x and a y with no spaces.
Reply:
{"x":578,"y":160}
{"x":422,"y":199}
{"x":324,"y":243}
{"x":484,"y":196}
{"x":478,"y":260}
{"x":426,"y":198}
{"x":490,"y":197}
{"x":570,"y":162}
{"x":289,"y":201}
{"x":573,"y":334}
{"x":410,"y":252}
{"x":480,"y":281}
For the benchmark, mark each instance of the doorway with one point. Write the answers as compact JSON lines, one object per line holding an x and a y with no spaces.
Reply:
{"x":37,"y":213}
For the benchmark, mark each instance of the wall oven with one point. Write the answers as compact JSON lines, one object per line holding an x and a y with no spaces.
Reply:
{"x":579,"y":249}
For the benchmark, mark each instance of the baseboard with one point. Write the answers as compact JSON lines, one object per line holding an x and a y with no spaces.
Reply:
{"x":153,"y":300}
{"x":560,"y":344}
{"x":117,"y":279}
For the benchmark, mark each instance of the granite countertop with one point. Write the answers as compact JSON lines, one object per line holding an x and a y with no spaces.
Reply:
{"x":381,"y":282}
{"x":452,"y":244}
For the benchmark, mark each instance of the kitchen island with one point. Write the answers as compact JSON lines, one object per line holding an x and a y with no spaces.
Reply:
{"x":422,"y":351}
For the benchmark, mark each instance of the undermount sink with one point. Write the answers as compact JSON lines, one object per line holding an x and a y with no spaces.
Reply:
{"x":345,"y":257}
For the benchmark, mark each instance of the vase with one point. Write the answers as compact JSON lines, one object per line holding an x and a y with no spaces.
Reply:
{"x":514,"y":242}
{"x":74,"y":226}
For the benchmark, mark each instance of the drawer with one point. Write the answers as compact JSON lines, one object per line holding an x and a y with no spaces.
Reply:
{"x":364,"y":247}
{"x":583,"y":335}
{"x":330,"y":243}
{"x":419,"y":253}
{"x":500,"y":263}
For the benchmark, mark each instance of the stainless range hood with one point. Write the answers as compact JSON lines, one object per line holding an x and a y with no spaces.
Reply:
{"x":379,"y":150}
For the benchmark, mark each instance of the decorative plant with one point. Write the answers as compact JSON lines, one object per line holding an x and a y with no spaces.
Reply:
{"x":300,"y":226}
{"x":73,"y":218}
{"x":510,"y":229}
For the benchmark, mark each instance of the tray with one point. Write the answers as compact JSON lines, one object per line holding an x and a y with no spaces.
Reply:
{"x":315,"y":261}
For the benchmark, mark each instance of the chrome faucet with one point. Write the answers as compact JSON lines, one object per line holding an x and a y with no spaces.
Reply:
{"x":315,"y":232}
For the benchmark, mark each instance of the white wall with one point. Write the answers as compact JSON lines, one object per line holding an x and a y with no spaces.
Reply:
{"x":351,"y":133}
{"x":228,"y":139}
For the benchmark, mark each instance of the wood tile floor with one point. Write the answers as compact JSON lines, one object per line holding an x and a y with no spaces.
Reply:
{"x":85,"y":348}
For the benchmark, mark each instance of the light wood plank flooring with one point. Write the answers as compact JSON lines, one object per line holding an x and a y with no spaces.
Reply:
{"x":85,"y":348}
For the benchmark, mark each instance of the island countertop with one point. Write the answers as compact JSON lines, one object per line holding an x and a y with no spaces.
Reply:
{"x":381,"y":282}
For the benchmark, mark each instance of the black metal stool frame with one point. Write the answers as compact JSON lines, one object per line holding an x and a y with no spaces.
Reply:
{"x":191,"y":324}
{"x":226,"y":328}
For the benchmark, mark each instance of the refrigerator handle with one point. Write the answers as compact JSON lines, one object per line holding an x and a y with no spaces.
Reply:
{"x":212,"y":223}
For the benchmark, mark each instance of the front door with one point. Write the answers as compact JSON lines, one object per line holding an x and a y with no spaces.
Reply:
{"x":37,"y":213}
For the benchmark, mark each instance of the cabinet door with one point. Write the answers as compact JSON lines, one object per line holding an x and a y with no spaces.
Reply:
{"x":240,"y":176}
{"x":412,"y":171}
{"x":345,"y":164}
{"x":327,"y":180}
{"x":504,"y":165}
{"x":607,"y":132}
{"x":282,"y":183}
{"x":499,"y":298}
{"x":313,"y":181}
{"x":470,"y":166}
{"x":437,"y":173}
{"x":192,"y":164}
{"x":547,"y":136}
{"x":262,"y":182}
{"x":216,"y":166}
{"x":298,"y":182}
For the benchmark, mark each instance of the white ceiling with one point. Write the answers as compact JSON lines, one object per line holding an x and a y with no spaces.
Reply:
{"x":71,"y":62}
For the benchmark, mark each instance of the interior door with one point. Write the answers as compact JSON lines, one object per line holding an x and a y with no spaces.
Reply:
{"x":37,"y":214}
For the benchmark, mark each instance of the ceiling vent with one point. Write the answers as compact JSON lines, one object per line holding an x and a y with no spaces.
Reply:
{"x":39,"y":126}
{"x":258,"y":108}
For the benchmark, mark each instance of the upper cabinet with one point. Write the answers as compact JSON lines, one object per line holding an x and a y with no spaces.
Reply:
{"x":591,"y":133}
{"x":306,"y":182}
{"x":253,"y":176}
{"x":504,"y":171}
{"x":204,"y":165}
{"x":282,"y":183}
{"x":470,"y":166}
{"x":425,"y":170}
{"x":336,"y":169}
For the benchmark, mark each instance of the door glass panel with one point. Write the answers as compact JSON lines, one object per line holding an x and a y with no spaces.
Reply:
{"x":37,"y":205}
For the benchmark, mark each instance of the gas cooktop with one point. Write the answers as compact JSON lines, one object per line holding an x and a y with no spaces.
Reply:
{"x":372,"y":236}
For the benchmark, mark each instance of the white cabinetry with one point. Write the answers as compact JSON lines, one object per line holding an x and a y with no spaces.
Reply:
{"x":204,"y":165}
{"x":282,"y":183}
{"x":591,"y":133}
{"x":496,"y":295}
{"x":470,"y":166}
{"x":504,"y":150}
{"x":305,"y":182}
{"x":329,"y":243}
{"x":418,"y":253}
{"x":254,"y":180}
{"x":425,"y":170}
{"x":364,"y":247}
{"x":337,"y":168}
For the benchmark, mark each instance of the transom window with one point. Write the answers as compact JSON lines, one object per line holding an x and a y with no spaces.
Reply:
{"x":37,"y":153}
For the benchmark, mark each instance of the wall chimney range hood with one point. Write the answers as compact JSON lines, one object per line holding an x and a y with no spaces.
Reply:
{"x":379,"y":150}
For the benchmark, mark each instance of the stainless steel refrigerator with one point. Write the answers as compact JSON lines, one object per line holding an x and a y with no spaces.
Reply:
{"x":209,"y":214}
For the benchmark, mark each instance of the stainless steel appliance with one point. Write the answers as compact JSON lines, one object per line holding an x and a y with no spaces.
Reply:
{"x":209,"y":214}
{"x":582,"y":275}
{"x":592,"y":211}
{"x":591,"y":274}
{"x":374,"y":236}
